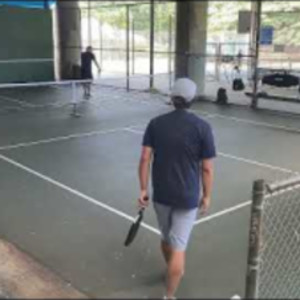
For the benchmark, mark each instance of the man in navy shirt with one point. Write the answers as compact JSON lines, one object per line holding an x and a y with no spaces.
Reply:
{"x":181,"y":147}
{"x":87,"y":58}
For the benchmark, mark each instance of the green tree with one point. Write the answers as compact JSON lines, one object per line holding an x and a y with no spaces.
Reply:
{"x":284,"y":16}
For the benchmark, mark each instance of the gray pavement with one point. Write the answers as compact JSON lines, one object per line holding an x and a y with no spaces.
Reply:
{"x":50,"y":191}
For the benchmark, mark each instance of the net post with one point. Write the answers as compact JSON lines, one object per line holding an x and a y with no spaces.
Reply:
{"x":74,"y":112}
{"x":258,"y":192}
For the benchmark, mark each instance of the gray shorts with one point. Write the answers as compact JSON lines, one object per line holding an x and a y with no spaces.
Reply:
{"x":175,"y":225}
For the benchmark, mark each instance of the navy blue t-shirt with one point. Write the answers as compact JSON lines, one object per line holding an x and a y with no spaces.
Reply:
{"x":180,"y":141}
{"x":86,"y":64}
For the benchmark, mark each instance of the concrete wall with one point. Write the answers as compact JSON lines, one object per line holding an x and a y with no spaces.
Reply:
{"x":198,"y":42}
{"x":191,"y":38}
{"x":68,"y":36}
{"x":25,"y":34}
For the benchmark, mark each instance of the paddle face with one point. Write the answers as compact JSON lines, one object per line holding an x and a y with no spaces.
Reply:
{"x":134,"y":228}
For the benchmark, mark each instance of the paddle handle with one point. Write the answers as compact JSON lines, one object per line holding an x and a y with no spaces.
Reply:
{"x":141,"y":211}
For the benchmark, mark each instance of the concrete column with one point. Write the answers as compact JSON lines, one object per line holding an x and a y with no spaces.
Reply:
{"x":191,"y":37}
{"x":69,"y":36}
{"x":182,"y":39}
{"x":198,"y":39}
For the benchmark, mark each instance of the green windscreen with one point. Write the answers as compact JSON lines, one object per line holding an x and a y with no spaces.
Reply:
{"x":26,"y":52}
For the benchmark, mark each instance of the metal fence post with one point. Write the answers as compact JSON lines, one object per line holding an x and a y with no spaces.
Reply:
{"x":89,"y":24}
{"x":127,"y":47}
{"x":254,"y":239}
{"x":218,"y":60}
{"x":170,"y":51}
{"x":152,"y":20}
{"x":133,"y":46}
{"x":74,"y":100}
{"x":101,"y":43}
{"x":257,"y":25}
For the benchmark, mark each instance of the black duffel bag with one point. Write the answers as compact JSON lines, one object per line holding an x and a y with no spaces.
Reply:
{"x":222,"y":96}
{"x":281,"y":80}
{"x":238,"y":84}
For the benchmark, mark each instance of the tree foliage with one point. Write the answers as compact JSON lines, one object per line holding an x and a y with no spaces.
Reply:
{"x":284,"y":16}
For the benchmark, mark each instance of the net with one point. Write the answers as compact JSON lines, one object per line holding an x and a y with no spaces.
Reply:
{"x":274,"y":251}
{"x":133,"y":89}
{"x":32,"y":96}
{"x":69,"y":96}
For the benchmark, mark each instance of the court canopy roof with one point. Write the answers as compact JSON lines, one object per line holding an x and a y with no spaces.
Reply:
{"x":30,"y":4}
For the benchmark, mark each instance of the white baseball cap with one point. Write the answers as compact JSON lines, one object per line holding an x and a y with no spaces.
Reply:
{"x":185,"y":88}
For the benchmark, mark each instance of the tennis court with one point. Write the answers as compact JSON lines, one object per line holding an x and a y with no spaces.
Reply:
{"x":69,"y":189}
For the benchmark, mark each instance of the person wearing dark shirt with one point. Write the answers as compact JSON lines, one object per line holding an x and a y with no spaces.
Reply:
{"x":180,"y":146}
{"x":87,"y":58}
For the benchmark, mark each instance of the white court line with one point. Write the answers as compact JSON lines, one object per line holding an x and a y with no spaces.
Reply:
{"x":61,"y":138}
{"x":129,"y":129}
{"x":227,"y":211}
{"x":10,"y":108}
{"x":29,"y":105}
{"x":223,"y":212}
{"x":76,"y":193}
{"x":22,"y":103}
{"x":256,"y":163}
{"x":214,"y":115}
{"x":235,"y":119}
{"x":247,"y":121}
{"x":107,"y":207}
{"x":245,"y":160}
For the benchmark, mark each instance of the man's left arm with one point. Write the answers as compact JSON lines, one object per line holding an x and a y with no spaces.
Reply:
{"x":208,"y":153}
{"x":207,"y":174}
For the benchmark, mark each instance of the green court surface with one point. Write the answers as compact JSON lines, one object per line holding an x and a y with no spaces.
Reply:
{"x":69,"y":189}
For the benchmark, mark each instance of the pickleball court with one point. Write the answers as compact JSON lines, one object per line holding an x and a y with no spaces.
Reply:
{"x":69,"y":188}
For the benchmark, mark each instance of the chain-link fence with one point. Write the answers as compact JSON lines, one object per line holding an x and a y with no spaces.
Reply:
{"x":136,"y":40}
{"x":274,"y":241}
{"x":124,"y":48}
{"x":120,"y":34}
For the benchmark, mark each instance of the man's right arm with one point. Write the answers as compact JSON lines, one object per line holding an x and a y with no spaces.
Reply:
{"x":207,"y":183}
{"x":144,"y":166}
{"x":144,"y":170}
